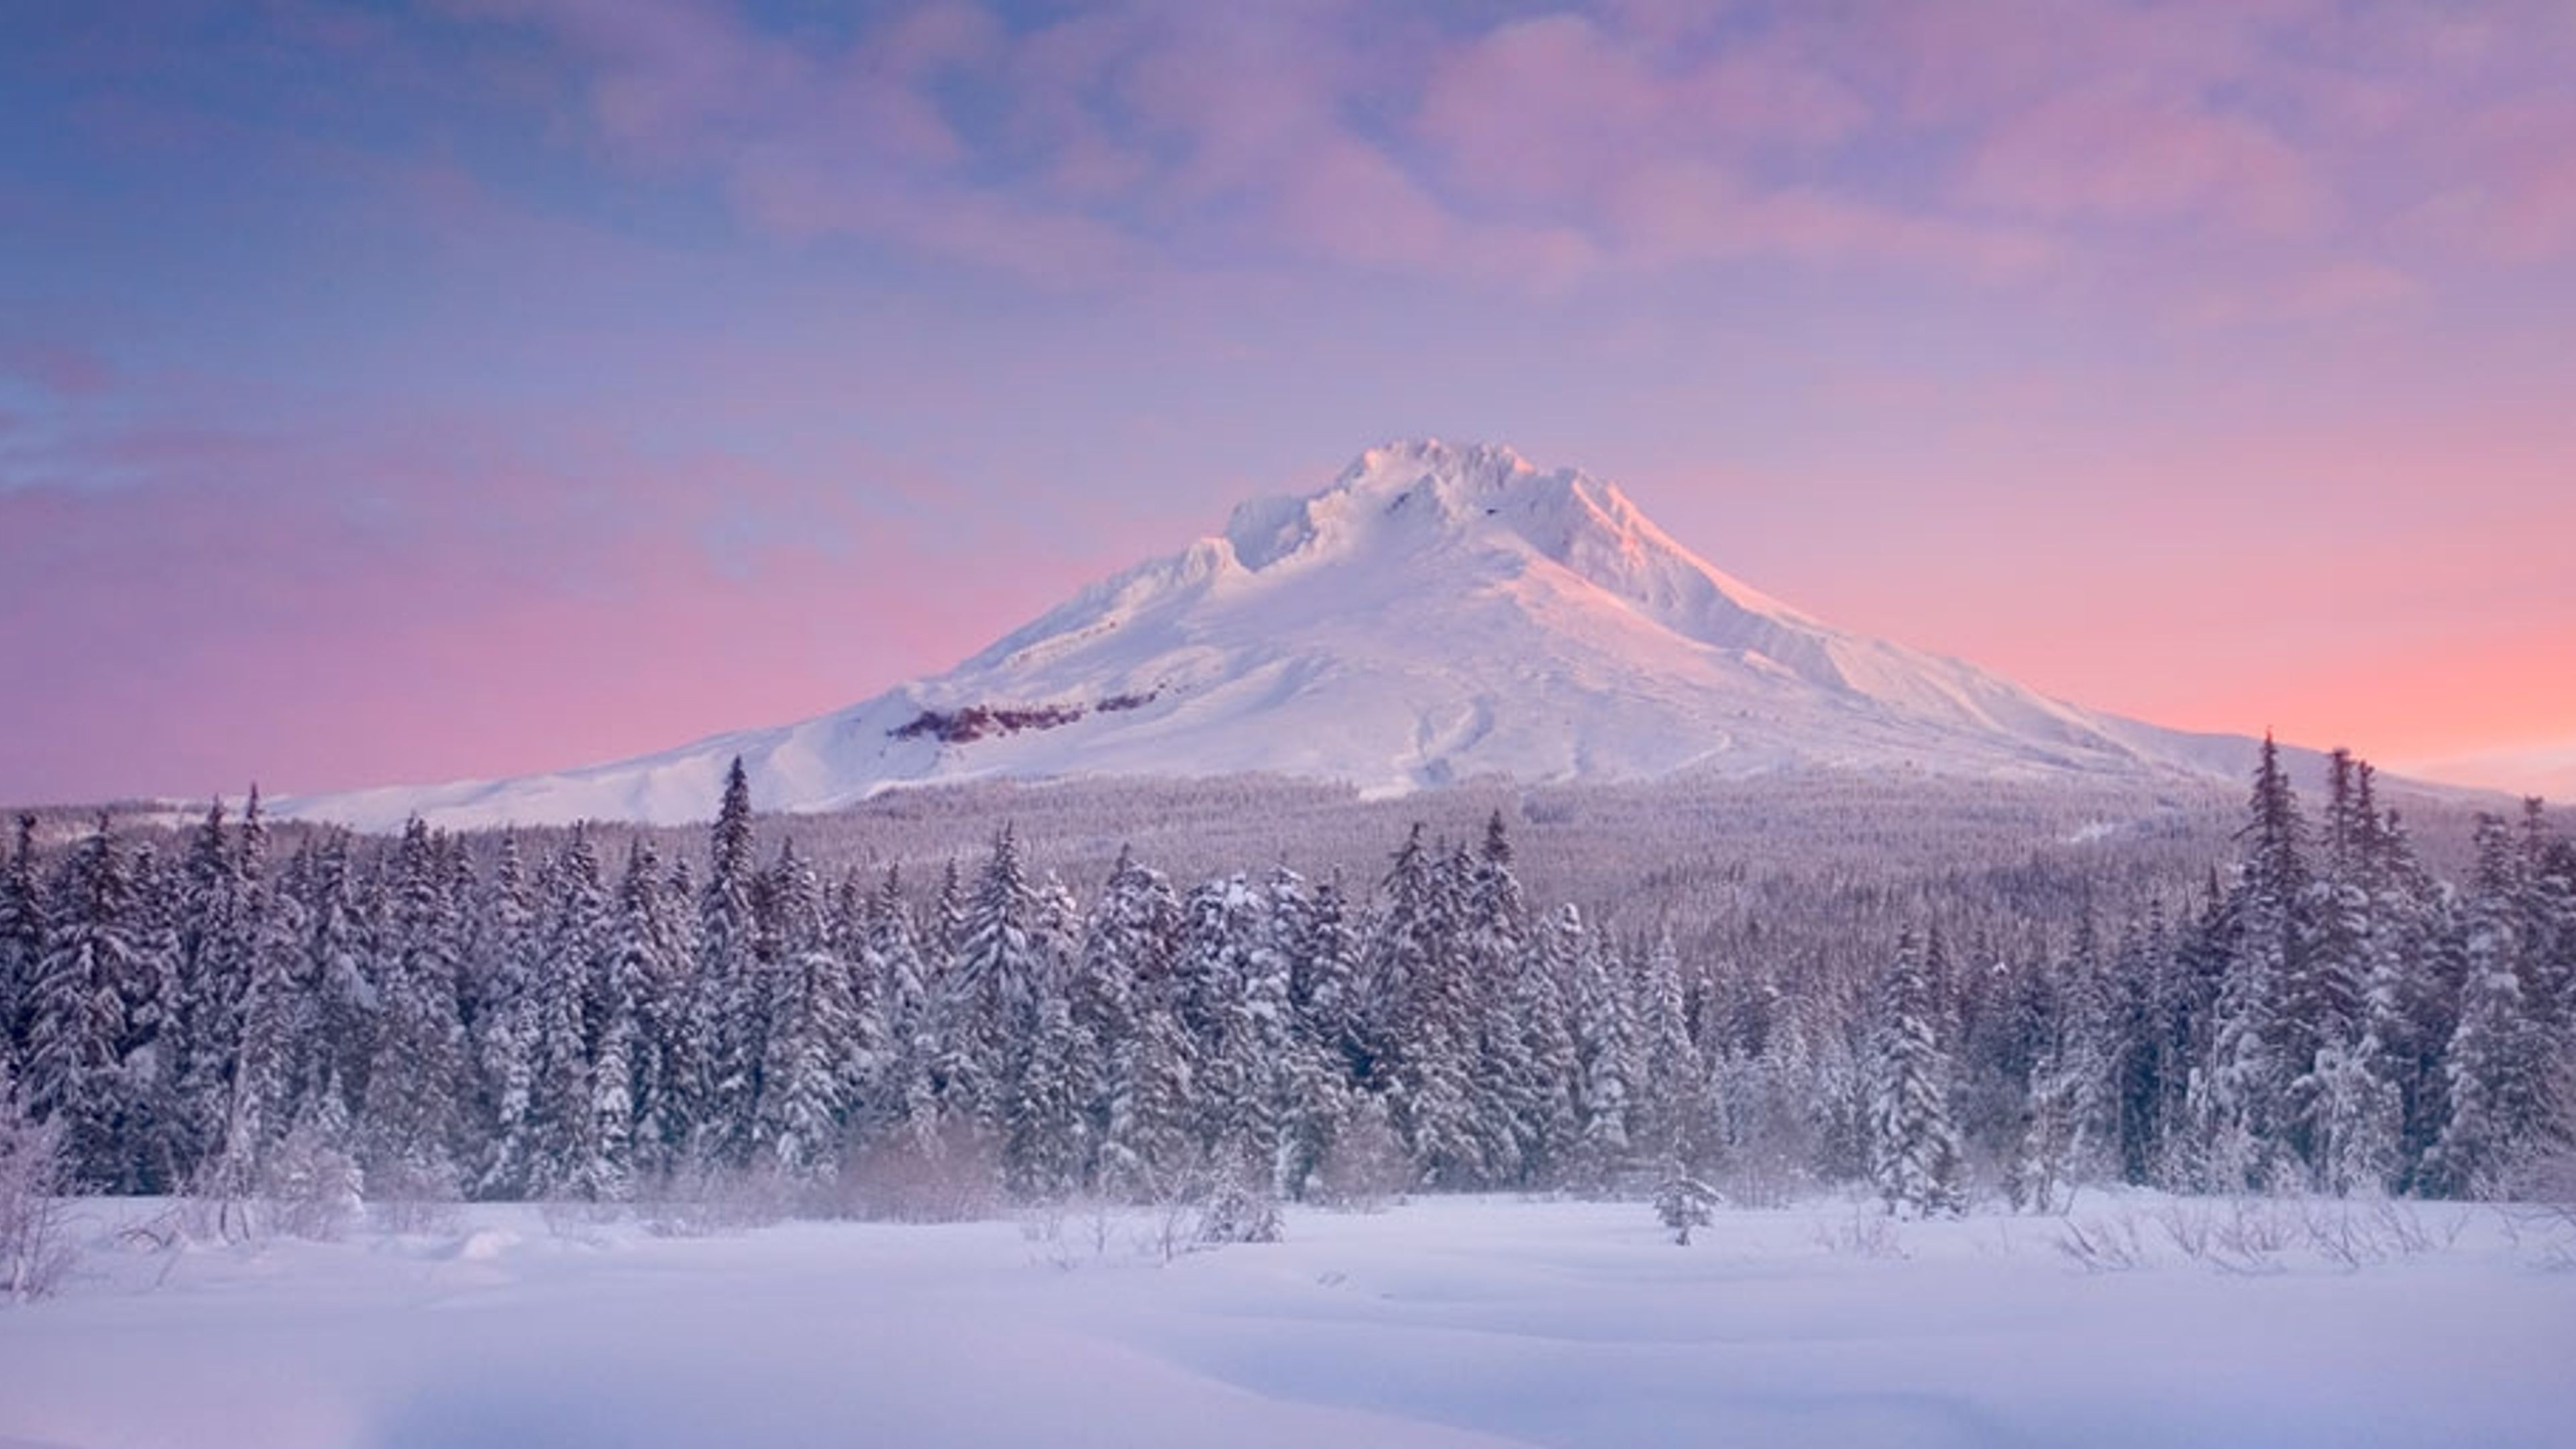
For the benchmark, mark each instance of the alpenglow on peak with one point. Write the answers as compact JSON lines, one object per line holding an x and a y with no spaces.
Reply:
{"x":1439,"y":611}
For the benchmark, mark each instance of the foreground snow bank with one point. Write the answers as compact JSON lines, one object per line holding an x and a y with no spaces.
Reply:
{"x":1443,"y":1322}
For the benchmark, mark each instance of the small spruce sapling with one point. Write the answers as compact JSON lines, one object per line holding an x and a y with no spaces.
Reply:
{"x":1682,"y":1201}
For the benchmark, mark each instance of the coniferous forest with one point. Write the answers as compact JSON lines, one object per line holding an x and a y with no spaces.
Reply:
{"x":437,"y":1016}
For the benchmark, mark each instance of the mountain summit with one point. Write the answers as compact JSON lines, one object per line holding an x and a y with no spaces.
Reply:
{"x":1439,"y":612}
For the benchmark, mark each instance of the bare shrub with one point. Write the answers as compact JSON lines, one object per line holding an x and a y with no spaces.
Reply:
{"x":707,"y":1203}
{"x":2539,"y":1208}
{"x":2246,"y":1236}
{"x":2340,"y":1236}
{"x":2402,"y":1227}
{"x":407,"y":1199}
{"x":951,"y":1176}
{"x":1865,"y":1232}
{"x":1365,"y":1167}
{"x":1761,"y":1177}
{"x":2251,"y":1236}
{"x":36,"y":1249}
{"x":2105,"y":1245}
{"x":319,"y":1190}
{"x":578,"y":1219}
{"x":1174,"y":1227}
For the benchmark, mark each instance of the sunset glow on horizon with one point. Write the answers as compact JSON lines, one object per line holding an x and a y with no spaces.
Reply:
{"x":407,"y":392}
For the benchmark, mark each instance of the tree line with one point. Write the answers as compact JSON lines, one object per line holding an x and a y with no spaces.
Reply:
{"x":2326,"y":1015}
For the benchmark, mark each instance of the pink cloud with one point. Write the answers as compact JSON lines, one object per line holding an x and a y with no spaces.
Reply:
{"x":2514,"y":198}
{"x":1555,"y":108}
{"x":2127,"y":155}
{"x":63,"y":369}
{"x":2326,"y":292}
{"x":1687,"y":212}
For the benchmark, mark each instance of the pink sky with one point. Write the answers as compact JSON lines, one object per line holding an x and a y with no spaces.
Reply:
{"x":406,"y":393}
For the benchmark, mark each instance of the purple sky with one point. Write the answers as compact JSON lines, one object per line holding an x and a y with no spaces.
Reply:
{"x":465,"y":388}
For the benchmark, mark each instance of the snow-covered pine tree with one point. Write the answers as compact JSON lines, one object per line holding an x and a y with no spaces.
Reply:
{"x":1673,"y":1102}
{"x":2498,"y":1067}
{"x":867,"y":1060}
{"x":2321,"y":1010}
{"x":343,"y":1022}
{"x":1125,"y":1000}
{"x":988,"y":1001}
{"x":1310,"y":1084}
{"x":907,"y":1100}
{"x":1506,"y":1098}
{"x":77,"y":1010}
{"x":641,"y":1004}
{"x":412,"y":1117}
{"x":1605,"y":1032}
{"x":502,"y":1039}
{"x":275,"y":1048}
{"x":1548,"y":1101}
{"x":804,"y":1079}
{"x":157,"y":1138}
{"x":1683,"y":1202}
{"x":1421,"y":1019}
{"x":211,"y":967}
{"x":1915,"y":1158}
{"x":1226,"y":1008}
{"x":2141,"y":1069}
{"x":1049,"y":1144}
{"x":22,"y":943}
{"x":2263,"y":1039}
{"x":565,"y":1155}
{"x":945,"y":931}
{"x":2545,"y":905}
{"x":728,"y":1008}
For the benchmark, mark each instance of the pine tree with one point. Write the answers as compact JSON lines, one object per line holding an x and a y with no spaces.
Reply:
{"x":263,"y":1100}
{"x":78,"y":1011}
{"x":908,"y":1097}
{"x":1547,"y":1096}
{"x":1506,"y":1097}
{"x":1124,"y":999}
{"x":157,"y":1136}
{"x":502,"y":1038}
{"x":1232,"y":1000}
{"x":729,"y":1010}
{"x":2266,"y":1031}
{"x":1673,"y":1103}
{"x":1683,"y":1202}
{"x":2323,"y":1002}
{"x":22,"y":944}
{"x":342,"y":1022}
{"x":412,"y":1120}
{"x":1421,"y":1021}
{"x":2497,"y":1071}
{"x":808,"y":1035}
{"x":989,"y":999}
{"x":1605,"y":1032}
{"x":1915,"y":1156}
{"x":1309,"y":1082}
{"x":642,"y":1002}
{"x":211,"y":972}
{"x":1049,"y":1140}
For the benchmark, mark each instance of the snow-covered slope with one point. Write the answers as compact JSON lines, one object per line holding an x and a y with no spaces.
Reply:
{"x":1440,"y":612}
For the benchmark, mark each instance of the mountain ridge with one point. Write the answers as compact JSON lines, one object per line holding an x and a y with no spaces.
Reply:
{"x":1438,"y":612}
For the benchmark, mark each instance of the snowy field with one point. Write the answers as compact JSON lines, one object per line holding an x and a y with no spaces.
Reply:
{"x":1440,"y":1322}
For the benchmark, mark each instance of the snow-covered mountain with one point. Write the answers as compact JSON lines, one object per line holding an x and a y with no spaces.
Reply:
{"x":1438,"y":613}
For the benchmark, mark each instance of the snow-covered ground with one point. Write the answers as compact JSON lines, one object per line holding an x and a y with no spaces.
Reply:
{"x":1440,"y":1322}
